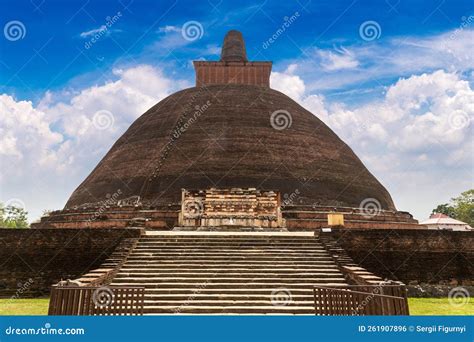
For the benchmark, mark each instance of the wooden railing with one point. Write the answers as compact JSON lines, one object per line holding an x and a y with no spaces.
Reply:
{"x":96,"y":301}
{"x":382,"y":289}
{"x":360,"y":300}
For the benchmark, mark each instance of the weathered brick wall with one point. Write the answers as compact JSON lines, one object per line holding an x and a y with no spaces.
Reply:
{"x":256,"y":73}
{"x":412,"y":255}
{"x":33,"y":259}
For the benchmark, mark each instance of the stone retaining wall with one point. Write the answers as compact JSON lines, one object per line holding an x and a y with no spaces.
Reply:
{"x":31,"y":260}
{"x":412,"y":256}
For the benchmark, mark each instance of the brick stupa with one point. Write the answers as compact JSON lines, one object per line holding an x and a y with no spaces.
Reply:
{"x":230,"y":131}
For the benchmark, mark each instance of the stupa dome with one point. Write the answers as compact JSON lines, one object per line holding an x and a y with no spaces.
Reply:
{"x":231,"y":131}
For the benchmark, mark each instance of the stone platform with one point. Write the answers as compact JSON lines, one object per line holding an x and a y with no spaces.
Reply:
{"x":295,"y":218}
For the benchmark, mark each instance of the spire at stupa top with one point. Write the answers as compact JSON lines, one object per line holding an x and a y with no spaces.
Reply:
{"x":233,"y":49}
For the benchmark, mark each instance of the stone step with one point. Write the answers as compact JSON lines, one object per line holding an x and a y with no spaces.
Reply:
{"x":231,"y":248}
{"x":228,"y":258}
{"x":233,"y":243}
{"x":268,"y":296}
{"x":226,"y":285}
{"x":233,"y":240}
{"x":141,"y":248}
{"x":236,"y":263}
{"x":228,"y":273}
{"x":159,"y":242}
{"x":234,"y":280}
{"x":239,"y":291}
{"x":229,"y":245}
{"x":200,"y":247}
{"x":206,"y":270}
{"x":236,"y":253}
{"x":231,"y":309}
{"x":283,"y":275}
{"x":239,"y":302}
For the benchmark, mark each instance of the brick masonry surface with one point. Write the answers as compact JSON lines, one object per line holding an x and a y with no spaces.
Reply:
{"x":412,"y":255}
{"x":31,"y":260}
{"x":48,"y":255}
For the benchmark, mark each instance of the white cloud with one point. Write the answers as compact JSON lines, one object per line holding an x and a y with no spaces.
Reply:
{"x":416,"y":138}
{"x":47,"y":151}
{"x":169,"y":28}
{"x":93,"y":31}
{"x":340,"y":68}
{"x":338,"y":59}
{"x":410,"y":139}
{"x":24,"y":130}
{"x":288,"y":83}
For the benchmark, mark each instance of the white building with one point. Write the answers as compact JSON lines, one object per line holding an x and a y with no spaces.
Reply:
{"x":442,"y":221}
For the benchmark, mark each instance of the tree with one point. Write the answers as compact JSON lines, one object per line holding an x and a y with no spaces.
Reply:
{"x":464,"y":207}
{"x":13,"y":217}
{"x":460,"y":208}
{"x":445,"y":209}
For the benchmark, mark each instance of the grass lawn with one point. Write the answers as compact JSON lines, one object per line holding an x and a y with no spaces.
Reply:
{"x":439,"y":306}
{"x":36,"y":306}
{"x":418,"y":306}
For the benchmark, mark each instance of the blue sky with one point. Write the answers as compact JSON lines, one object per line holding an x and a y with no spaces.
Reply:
{"x":53,"y":31}
{"x":393,"y":97}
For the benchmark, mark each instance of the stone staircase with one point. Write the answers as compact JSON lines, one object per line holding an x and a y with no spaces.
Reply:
{"x":228,"y":272}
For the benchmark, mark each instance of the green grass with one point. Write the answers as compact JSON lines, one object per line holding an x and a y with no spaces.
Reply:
{"x":36,"y":306}
{"x":439,"y":306}
{"x":418,"y":306}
